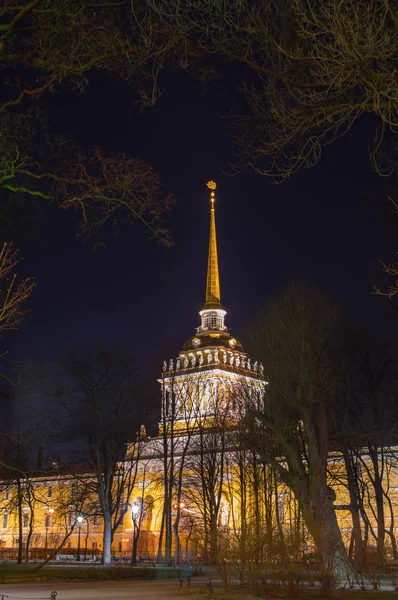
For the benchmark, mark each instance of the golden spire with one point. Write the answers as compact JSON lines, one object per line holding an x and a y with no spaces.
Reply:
{"x":213,"y":297}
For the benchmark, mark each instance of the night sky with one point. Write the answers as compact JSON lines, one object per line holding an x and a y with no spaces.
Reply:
{"x":325,"y":226}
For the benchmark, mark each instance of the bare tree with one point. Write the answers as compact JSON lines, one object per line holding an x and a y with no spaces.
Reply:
{"x":289,"y":427}
{"x":13,"y":294}
{"x":102,"y":390}
{"x":66,"y":41}
{"x":99,"y":188}
{"x":311,"y":69}
{"x":366,"y":430}
{"x":182,"y":398}
{"x":205,"y":483}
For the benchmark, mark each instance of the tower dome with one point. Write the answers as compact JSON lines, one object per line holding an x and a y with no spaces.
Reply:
{"x":212,"y":366}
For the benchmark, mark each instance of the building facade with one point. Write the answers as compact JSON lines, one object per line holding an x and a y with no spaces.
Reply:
{"x":197,"y":487}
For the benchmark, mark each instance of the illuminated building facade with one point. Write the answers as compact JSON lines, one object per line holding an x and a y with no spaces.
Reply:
{"x":194,"y":461}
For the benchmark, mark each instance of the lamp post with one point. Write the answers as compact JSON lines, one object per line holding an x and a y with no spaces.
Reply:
{"x":86,"y":540}
{"x":135,"y":509}
{"x":79,"y":521}
{"x":49,"y":512}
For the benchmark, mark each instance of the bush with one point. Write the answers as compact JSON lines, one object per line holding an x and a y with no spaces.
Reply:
{"x":98,"y":573}
{"x":328,"y":581}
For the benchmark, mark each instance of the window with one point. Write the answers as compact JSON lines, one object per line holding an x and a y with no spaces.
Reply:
{"x":280,"y":508}
{"x":47,"y":521}
{"x":95,"y":520}
{"x":213,"y":321}
{"x":25,"y":519}
{"x":95,"y":545}
{"x":120,"y":546}
{"x":49,"y":492}
{"x":71,"y":518}
{"x":69,"y":544}
{"x":73,"y":490}
{"x":219,"y":322}
{"x":206,"y":322}
{"x":5,"y":520}
{"x":6,"y":495}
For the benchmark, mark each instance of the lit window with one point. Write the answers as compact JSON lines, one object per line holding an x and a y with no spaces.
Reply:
{"x":280,"y":508}
{"x":71,"y":518}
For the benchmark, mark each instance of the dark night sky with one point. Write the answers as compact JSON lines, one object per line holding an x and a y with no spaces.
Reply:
{"x":323,"y":226}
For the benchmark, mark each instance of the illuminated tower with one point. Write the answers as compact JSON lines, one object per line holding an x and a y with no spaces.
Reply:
{"x":212,"y":362}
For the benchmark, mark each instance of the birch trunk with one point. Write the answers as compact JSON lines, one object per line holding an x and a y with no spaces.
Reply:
{"x":107,"y":540}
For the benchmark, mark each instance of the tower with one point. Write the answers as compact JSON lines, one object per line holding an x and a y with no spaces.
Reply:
{"x":212,"y":363}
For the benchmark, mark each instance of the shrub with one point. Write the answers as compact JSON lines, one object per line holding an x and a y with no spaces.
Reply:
{"x":100,"y":573}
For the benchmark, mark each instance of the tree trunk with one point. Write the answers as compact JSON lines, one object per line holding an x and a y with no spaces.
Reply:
{"x":391,"y":529}
{"x":213,"y":538}
{"x":354,"y":508}
{"x":30,"y":532}
{"x":379,"y":496}
{"x":107,"y":540}
{"x":320,"y":518}
{"x":20,"y":541}
{"x":177,"y":542}
{"x":168,"y":530}
{"x":160,"y":542}
{"x":136,"y":536}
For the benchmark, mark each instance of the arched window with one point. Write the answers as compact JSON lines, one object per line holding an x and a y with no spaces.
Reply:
{"x":206,"y":322}
{"x":219,"y":322}
{"x":213,"y":320}
{"x":225,"y":511}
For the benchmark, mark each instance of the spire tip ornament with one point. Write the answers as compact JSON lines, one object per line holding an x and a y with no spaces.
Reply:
{"x":212,"y":186}
{"x":213,"y":298}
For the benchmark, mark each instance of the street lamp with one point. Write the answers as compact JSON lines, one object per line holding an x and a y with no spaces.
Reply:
{"x":80,"y":521}
{"x":135,"y":509}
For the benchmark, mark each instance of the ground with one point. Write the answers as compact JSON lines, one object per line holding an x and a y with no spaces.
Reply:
{"x":150,"y":590}
{"x":98,"y":590}
{"x":163,"y":590}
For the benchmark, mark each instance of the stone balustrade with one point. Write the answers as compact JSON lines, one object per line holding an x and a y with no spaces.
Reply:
{"x":214,"y":357}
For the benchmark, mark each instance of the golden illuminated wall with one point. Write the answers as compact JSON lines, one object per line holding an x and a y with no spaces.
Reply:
{"x":53,"y":507}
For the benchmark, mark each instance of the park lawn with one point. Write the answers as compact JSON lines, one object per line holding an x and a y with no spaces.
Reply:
{"x":27,"y":573}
